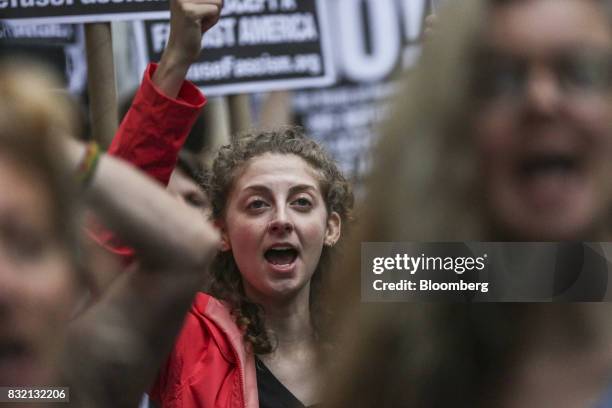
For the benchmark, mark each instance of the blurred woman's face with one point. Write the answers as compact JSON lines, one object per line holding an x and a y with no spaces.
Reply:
{"x":36,"y":282}
{"x":544,"y":127}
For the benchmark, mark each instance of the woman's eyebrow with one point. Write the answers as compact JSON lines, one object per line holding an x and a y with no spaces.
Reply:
{"x":257,"y":188}
{"x":262,"y":189}
{"x":302,"y":188}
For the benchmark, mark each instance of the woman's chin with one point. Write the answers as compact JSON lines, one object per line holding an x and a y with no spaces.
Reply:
{"x":551,"y":214}
{"x":569,"y":226}
{"x":24,"y":371}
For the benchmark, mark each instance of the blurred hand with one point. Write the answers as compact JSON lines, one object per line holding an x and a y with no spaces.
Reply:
{"x":189,"y":20}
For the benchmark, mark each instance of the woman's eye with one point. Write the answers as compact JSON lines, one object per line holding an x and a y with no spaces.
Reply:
{"x":22,"y":243}
{"x":503,"y":81}
{"x":256,"y":205}
{"x":585,"y":72}
{"x":195,"y":200}
{"x":302,"y":203}
{"x":28,"y":247}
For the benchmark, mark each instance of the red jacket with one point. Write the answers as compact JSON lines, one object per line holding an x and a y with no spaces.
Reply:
{"x":209,"y":366}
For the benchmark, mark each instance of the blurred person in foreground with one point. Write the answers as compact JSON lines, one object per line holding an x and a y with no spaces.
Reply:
{"x":503,"y":133}
{"x":109,"y":352}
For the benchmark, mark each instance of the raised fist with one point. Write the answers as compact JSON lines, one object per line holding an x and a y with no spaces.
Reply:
{"x":189,"y":20}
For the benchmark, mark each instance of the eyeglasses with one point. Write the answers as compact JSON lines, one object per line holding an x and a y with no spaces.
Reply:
{"x":500,"y":77}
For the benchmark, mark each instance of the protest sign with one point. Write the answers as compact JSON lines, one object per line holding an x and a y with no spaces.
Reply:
{"x":82,"y":11}
{"x":374,"y":39}
{"x":60,"y":46}
{"x":257,"y":46}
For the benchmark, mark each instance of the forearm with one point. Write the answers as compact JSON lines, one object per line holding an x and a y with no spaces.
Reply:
{"x":171,"y":73}
{"x":189,"y":19}
{"x":162,"y":230}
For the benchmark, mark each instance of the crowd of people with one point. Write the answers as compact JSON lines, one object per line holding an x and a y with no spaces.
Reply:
{"x":136,"y":271}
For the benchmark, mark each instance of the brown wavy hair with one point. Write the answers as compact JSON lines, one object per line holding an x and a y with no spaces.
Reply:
{"x":226,"y":281}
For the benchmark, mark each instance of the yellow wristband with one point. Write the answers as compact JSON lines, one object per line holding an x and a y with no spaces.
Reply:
{"x":88,"y":164}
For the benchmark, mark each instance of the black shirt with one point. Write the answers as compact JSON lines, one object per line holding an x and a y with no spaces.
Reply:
{"x":272,"y":393}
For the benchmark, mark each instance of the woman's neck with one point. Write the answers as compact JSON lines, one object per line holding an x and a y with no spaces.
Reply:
{"x":288,"y":319}
{"x":294,"y":360}
{"x":291,"y":332}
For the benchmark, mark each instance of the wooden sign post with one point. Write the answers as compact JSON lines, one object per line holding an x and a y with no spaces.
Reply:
{"x":276,"y":110}
{"x":101,"y":82}
{"x":217,"y":124}
{"x":240,"y":113}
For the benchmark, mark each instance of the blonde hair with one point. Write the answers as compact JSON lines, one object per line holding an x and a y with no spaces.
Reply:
{"x":425,"y":145}
{"x":34,"y":115}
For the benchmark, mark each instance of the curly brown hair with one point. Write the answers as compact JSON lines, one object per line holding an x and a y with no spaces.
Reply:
{"x":226,"y":281}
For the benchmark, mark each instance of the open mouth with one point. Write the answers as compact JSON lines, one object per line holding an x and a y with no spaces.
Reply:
{"x":550,"y":179}
{"x":547,"y":165}
{"x":19,"y":364}
{"x":12,"y":349}
{"x":281,"y":256}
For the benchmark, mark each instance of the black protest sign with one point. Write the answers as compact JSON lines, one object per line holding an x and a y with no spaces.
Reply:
{"x":374,"y":39}
{"x":60,"y":46}
{"x":35,"y":34}
{"x":257,"y":46}
{"x":82,"y":11}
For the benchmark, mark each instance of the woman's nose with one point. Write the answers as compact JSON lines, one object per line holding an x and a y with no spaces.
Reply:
{"x":543,"y":94}
{"x":281,"y":224}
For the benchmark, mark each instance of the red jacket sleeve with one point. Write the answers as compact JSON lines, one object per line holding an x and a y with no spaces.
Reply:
{"x":156,"y":127}
{"x":150,"y":137}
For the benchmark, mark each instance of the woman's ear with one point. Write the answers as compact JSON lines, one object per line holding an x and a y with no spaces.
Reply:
{"x":225,"y":242}
{"x":333,"y":230}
